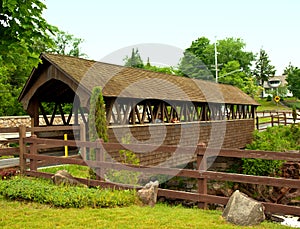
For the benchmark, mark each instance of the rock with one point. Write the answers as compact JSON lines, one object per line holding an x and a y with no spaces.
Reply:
{"x":148,"y":194}
{"x":63,"y":177}
{"x":244,"y":211}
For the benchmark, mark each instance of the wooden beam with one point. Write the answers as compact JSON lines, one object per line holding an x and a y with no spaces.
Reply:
{"x":44,"y":114}
{"x":62,"y":114}
{"x":53,"y":114}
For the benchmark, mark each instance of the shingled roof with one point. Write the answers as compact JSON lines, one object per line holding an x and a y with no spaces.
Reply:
{"x":127,"y":82}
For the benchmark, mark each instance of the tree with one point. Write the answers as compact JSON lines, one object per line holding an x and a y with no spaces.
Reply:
{"x":193,"y":67}
{"x":66,"y":44}
{"x":289,"y":69}
{"x":232,"y":74}
{"x":97,"y":117}
{"x":24,"y":34}
{"x":134,"y":60}
{"x":293,"y":80}
{"x":199,"y":58}
{"x":263,"y":69}
{"x":166,"y":70}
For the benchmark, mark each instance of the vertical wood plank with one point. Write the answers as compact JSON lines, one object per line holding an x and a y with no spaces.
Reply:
{"x":33,"y":150}
{"x":202,"y":182}
{"x":22,"y":147}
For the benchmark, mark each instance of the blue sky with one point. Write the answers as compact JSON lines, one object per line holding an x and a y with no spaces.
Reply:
{"x":110,"y":25}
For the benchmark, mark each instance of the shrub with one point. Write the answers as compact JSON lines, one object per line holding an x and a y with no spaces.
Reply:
{"x":269,"y":98}
{"x":45,"y":192}
{"x":280,"y":138}
{"x":125,"y":176}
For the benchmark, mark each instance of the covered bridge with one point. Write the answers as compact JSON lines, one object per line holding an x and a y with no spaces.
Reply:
{"x":141,"y":103}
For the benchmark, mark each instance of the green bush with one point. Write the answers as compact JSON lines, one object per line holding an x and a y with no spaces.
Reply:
{"x":45,"y":192}
{"x":269,"y":98}
{"x":280,"y":138}
{"x":125,"y":176}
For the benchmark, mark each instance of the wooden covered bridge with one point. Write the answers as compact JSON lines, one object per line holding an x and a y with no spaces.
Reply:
{"x":141,"y":103}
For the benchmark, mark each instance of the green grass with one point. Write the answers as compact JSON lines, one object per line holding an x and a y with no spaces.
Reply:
{"x":290,"y":102}
{"x":74,"y":170}
{"x":16,"y":214}
{"x":285,"y":105}
{"x":271,"y":106}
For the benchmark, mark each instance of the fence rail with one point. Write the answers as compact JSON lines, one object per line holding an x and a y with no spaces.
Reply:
{"x":267,"y":119}
{"x":29,"y":151}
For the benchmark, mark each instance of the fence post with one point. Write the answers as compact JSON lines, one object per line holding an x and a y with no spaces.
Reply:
{"x":99,"y":158}
{"x":83,"y":139}
{"x":257,"y":122}
{"x":22,"y":149}
{"x":272,"y":120}
{"x":284,"y":116}
{"x":33,"y":151}
{"x":201,"y":166}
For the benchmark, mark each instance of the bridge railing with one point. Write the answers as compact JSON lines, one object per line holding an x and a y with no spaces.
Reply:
{"x":201,"y":173}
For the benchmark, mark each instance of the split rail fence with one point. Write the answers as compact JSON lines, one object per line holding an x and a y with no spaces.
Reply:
{"x":267,"y":119}
{"x":30,"y":160}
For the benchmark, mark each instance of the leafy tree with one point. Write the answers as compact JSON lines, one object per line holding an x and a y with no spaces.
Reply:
{"x":134,"y":60}
{"x":293,"y":80}
{"x":67,"y":44}
{"x":263,"y":69}
{"x":24,"y":34}
{"x":232,"y":74}
{"x":200,"y":57}
{"x":289,"y":69}
{"x":166,"y":70}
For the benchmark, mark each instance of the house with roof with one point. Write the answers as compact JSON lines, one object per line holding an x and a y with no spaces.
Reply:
{"x":271,"y":86}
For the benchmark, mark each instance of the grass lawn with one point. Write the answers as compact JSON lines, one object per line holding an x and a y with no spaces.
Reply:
{"x":74,"y":170}
{"x":16,"y":214}
{"x":271,"y":106}
{"x":285,"y":105}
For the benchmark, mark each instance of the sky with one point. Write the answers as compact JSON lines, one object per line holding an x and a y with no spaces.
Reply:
{"x":115,"y":26}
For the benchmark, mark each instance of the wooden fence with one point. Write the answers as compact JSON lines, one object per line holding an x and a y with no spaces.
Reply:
{"x":267,"y":119}
{"x":5,"y":150}
{"x":30,"y":160}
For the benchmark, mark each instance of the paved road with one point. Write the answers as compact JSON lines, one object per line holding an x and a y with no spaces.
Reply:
{"x":11,"y":162}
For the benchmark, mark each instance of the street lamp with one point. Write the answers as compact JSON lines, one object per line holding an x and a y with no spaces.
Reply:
{"x":237,"y":70}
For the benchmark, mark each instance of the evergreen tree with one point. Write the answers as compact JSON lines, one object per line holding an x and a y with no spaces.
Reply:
{"x":97,"y":117}
{"x":135,"y":60}
{"x":263,"y":69}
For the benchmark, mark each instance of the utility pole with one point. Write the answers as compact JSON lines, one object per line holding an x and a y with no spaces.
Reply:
{"x":216,"y":65}
{"x":216,"y":60}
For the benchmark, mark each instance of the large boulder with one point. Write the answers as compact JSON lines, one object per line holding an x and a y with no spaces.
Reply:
{"x":148,"y":194}
{"x":62,"y":177}
{"x":244,"y":211}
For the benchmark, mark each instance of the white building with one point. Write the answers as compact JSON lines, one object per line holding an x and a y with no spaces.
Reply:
{"x":271,"y":86}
